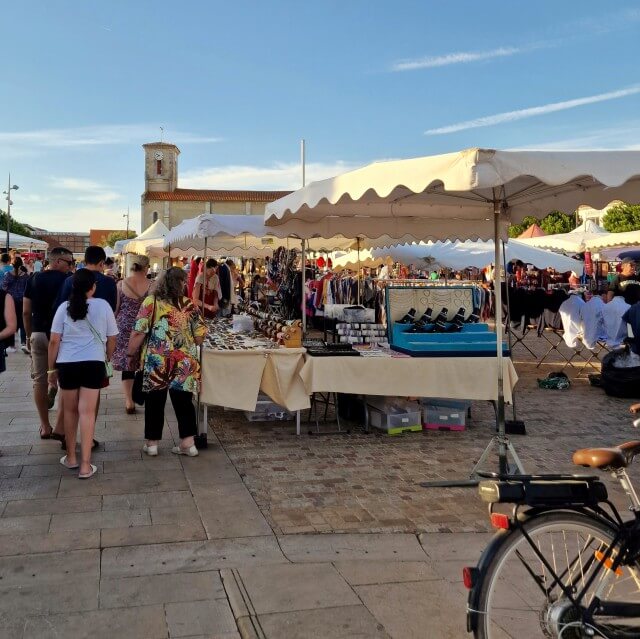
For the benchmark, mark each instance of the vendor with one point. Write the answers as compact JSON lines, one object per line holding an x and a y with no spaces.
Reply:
{"x":626,"y":276}
{"x":212,"y":293}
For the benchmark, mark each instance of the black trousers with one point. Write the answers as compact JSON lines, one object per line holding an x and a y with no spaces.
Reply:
{"x":154,"y":413}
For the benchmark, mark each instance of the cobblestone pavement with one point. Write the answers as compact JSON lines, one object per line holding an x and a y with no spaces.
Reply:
{"x":211,"y":547}
{"x":369,"y":483}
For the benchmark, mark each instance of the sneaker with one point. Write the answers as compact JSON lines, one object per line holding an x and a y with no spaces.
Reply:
{"x":152,"y":451}
{"x":190,"y":452}
{"x":25,"y":350}
{"x":10,"y":350}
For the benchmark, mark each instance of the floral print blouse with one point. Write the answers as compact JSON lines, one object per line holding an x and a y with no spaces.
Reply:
{"x":171,"y":359}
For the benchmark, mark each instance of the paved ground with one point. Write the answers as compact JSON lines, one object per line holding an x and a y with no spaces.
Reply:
{"x":229,"y":544}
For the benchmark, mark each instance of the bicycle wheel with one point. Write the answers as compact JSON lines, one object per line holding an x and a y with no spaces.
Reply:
{"x":519,"y":599}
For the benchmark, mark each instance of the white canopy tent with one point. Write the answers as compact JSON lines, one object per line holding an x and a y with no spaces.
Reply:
{"x":23,"y":242}
{"x":151,"y":237}
{"x":575,"y":241}
{"x":243,"y":235}
{"x":629,"y":238}
{"x":457,"y":255}
{"x":473,"y":194}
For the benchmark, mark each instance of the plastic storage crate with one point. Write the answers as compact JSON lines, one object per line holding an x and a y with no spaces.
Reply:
{"x":268,"y":411}
{"x":449,"y":417}
{"x":394,"y":417}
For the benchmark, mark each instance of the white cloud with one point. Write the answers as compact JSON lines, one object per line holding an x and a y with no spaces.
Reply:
{"x":512,"y":116}
{"x":98,"y":135}
{"x":462,"y":57}
{"x":278,"y":176}
{"x":82,"y":190}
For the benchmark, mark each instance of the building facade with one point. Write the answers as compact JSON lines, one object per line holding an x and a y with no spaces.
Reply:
{"x":164,"y":200}
{"x":595,"y":215}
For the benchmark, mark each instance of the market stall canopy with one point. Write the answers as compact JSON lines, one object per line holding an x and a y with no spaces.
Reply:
{"x":151,"y":237}
{"x":575,"y":241}
{"x":452,"y":196}
{"x":456,"y":256}
{"x":533,"y":231}
{"x":629,"y":238}
{"x":242,"y":235}
{"x":22,"y":242}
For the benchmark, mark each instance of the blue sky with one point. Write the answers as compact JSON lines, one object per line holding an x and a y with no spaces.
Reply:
{"x":237,"y":84}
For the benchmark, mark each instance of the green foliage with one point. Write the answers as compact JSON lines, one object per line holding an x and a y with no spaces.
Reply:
{"x":112,"y":238}
{"x":519,"y":229}
{"x":16,"y":227}
{"x":622,"y":217}
{"x":558,"y":222}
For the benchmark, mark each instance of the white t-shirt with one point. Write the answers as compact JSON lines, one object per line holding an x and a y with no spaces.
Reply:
{"x":78,"y":342}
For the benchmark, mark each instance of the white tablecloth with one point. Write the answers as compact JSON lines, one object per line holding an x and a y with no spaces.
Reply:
{"x":447,"y":377}
{"x":234,"y":378}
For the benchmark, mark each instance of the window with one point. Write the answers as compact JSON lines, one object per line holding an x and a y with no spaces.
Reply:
{"x":155,"y":216}
{"x":158,"y":167}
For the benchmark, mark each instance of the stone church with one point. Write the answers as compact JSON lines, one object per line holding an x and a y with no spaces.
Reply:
{"x":164,"y":200}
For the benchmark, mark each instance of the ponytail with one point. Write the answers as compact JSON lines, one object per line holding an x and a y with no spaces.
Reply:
{"x":81,"y":283}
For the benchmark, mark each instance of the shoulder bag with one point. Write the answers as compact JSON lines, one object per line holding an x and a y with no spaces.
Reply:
{"x":108,"y":368}
{"x":138,"y":395}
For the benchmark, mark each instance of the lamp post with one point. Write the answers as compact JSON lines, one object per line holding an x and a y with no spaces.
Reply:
{"x":10,"y":188}
{"x":127,"y":216}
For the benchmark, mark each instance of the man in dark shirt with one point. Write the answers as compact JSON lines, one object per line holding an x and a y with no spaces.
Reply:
{"x":38,"y":309}
{"x":620,"y":282}
{"x":106,"y":289}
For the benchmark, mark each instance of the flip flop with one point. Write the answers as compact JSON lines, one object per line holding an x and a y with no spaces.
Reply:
{"x":87,"y":475}
{"x":45,"y":435}
{"x":66,"y":464}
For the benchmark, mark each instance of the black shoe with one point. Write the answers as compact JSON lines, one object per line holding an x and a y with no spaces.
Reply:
{"x":409,"y":318}
{"x":418,"y":325}
{"x":474,"y":318}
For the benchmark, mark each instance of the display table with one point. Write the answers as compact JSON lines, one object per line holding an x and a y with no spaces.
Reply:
{"x":234,"y":378}
{"x":473,"y":378}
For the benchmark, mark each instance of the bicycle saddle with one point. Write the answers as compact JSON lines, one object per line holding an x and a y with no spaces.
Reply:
{"x":607,"y":458}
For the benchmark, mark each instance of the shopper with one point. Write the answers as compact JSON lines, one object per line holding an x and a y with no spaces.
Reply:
{"x":212,"y":292}
{"x":83,"y":337}
{"x":131,"y":291}
{"x":170,"y":360}
{"x":5,"y":265}
{"x":39,"y":306}
{"x":8,"y":323}
{"x":15,"y":283}
{"x":94,"y":260}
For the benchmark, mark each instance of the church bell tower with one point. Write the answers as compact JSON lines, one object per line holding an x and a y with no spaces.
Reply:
{"x":160,"y":166}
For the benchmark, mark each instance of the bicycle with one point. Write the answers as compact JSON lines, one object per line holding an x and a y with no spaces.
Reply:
{"x":562,"y":564}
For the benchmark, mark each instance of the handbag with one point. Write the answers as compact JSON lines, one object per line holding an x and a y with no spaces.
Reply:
{"x":108,"y":368}
{"x":137,"y":393}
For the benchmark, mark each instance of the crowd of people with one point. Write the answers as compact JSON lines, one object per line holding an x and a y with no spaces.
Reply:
{"x":79,"y":323}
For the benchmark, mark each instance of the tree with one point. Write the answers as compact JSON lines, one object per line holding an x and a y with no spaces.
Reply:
{"x":519,"y":229}
{"x":622,"y":217}
{"x":16,"y":227}
{"x":114,"y":236}
{"x":557,"y":222}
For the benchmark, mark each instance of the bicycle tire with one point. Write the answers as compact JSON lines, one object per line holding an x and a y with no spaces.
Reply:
{"x":490,"y":623}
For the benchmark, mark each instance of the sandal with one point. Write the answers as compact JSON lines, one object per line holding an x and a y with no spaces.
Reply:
{"x":66,"y":464}
{"x":131,"y":410}
{"x":93,"y":471}
{"x":45,"y":435}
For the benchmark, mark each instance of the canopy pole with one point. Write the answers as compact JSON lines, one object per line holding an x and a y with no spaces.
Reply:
{"x":303,"y":268}
{"x":201,"y":437}
{"x":358,"y":276}
{"x":497,"y":286}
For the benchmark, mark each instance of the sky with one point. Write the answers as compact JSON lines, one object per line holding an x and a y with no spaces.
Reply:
{"x":236,"y":85}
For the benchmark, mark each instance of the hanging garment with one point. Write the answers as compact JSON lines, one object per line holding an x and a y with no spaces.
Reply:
{"x":615,"y":326}
{"x":572,"y":322}
{"x":593,"y":318}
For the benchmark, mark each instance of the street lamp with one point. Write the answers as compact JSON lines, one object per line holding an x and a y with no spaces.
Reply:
{"x":127,"y":216}
{"x":10,"y":188}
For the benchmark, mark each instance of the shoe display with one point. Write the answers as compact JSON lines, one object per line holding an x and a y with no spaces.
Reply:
{"x":425,"y":319}
{"x":409,"y":318}
{"x":440,"y":324}
{"x":474,"y":318}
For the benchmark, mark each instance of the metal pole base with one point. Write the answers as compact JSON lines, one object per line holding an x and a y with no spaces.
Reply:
{"x":201,"y":441}
{"x":506,"y":468}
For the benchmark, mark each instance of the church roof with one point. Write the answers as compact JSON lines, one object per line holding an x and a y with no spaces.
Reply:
{"x":207,"y":195}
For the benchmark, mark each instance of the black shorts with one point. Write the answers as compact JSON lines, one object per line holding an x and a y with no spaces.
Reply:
{"x":74,"y":375}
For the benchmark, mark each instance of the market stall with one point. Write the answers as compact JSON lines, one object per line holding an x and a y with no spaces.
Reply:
{"x":25,"y":243}
{"x":474,"y":194}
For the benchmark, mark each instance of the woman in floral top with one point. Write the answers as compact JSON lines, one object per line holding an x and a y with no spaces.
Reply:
{"x":170,"y":359}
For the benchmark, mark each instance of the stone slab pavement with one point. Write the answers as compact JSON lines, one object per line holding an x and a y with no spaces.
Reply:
{"x":178,"y":547}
